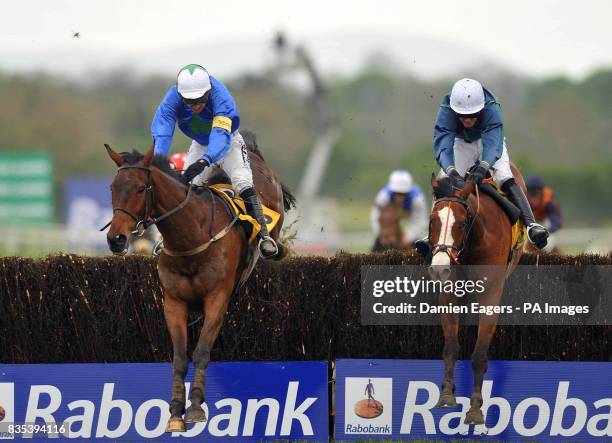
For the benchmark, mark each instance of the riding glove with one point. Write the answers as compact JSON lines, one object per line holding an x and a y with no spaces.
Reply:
{"x":194,"y":170}
{"x":479,"y":173}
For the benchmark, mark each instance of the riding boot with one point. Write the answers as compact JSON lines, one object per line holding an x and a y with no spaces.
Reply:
{"x":267,"y":245}
{"x":537,"y":234}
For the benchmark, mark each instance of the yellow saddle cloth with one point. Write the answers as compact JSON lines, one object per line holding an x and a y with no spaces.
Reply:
{"x":237,"y":204}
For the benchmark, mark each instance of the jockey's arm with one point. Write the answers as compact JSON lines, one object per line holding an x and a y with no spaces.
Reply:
{"x":220,"y":139}
{"x":164,"y":122}
{"x":225,"y":122}
{"x":418,"y":223}
{"x":492,"y":134}
{"x":444,"y":137}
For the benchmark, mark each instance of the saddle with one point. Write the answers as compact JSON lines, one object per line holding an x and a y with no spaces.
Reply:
{"x":489,"y":187}
{"x":519,"y":231}
{"x":237,"y":208}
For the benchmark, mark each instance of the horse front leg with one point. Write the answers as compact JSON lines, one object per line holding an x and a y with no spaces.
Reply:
{"x":175,"y":313}
{"x":450,"y":326}
{"x":480,"y":360}
{"x":480,"y":364}
{"x":215,"y":305}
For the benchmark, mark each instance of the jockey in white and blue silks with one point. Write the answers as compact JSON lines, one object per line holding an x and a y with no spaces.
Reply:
{"x":469,"y":130}
{"x":400,"y":189}
{"x":206,"y":112}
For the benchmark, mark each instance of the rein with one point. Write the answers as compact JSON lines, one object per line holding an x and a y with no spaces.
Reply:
{"x":453,"y":251}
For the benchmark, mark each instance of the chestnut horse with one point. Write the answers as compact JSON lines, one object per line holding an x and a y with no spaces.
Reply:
{"x":469,"y":228}
{"x":206,"y":254}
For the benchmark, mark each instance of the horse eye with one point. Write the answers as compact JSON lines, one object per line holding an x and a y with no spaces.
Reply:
{"x":141,"y":189}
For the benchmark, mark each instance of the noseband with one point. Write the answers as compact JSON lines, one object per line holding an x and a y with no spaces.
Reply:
{"x":453,"y":251}
{"x":146,"y":220}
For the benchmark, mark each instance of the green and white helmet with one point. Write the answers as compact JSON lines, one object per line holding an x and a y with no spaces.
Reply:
{"x":193,"y":81}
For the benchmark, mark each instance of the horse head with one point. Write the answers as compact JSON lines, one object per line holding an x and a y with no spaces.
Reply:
{"x":449,"y":226}
{"x":132,"y":199}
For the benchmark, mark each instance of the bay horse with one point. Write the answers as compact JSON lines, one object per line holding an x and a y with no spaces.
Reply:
{"x":468,"y":227}
{"x":206,"y":254}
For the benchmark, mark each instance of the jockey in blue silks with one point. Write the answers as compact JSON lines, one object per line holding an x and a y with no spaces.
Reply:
{"x":206,"y":112}
{"x":469,"y":131}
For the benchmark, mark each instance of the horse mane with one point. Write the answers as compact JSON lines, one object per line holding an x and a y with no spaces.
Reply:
{"x":159,"y":161}
{"x":444,"y":188}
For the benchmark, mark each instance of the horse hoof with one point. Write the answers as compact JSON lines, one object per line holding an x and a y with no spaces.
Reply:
{"x":474,"y":417}
{"x":447,"y":401}
{"x":175,"y":424}
{"x":195,"y":415}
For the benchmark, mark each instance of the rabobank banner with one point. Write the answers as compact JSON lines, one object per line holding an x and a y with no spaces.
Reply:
{"x":129,"y":402}
{"x":524,"y":401}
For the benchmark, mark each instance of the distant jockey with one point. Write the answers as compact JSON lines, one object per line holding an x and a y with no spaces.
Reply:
{"x":206,"y":112}
{"x":402,"y":192}
{"x":470,"y":119}
{"x":544,"y":204}
{"x":177,"y":161}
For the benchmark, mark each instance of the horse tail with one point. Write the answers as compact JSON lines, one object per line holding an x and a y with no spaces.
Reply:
{"x":289,"y":200}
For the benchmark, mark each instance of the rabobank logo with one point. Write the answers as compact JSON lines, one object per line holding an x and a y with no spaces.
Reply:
{"x":245,"y":401}
{"x":368,"y":405}
{"x":522,"y":401}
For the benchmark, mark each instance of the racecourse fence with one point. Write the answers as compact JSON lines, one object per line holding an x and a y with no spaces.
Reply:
{"x":67,"y":308}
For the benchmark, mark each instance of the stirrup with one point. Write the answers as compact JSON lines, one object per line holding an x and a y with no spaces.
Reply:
{"x":157,"y":248}
{"x":545,"y":234}
{"x":266,"y":238}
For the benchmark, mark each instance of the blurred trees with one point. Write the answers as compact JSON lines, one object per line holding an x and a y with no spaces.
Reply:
{"x":555,"y":127}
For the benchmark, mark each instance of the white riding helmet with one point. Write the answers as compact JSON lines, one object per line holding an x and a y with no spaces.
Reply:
{"x":467,"y":97}
{"x":193,"y":82}
{"x":400,"y":181}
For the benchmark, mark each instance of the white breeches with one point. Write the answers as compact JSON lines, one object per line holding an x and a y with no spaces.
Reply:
{"x":235,"y":163}
{"x":466,"y":154}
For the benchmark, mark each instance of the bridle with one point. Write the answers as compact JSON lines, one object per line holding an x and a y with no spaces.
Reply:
{"x":453,"y":251}
{"x":147,"y":219}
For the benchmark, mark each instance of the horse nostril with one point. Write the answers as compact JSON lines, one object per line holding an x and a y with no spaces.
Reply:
{"x":117,"y":243}
{"x":118,"y":240}
{"x":439,"y":272}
